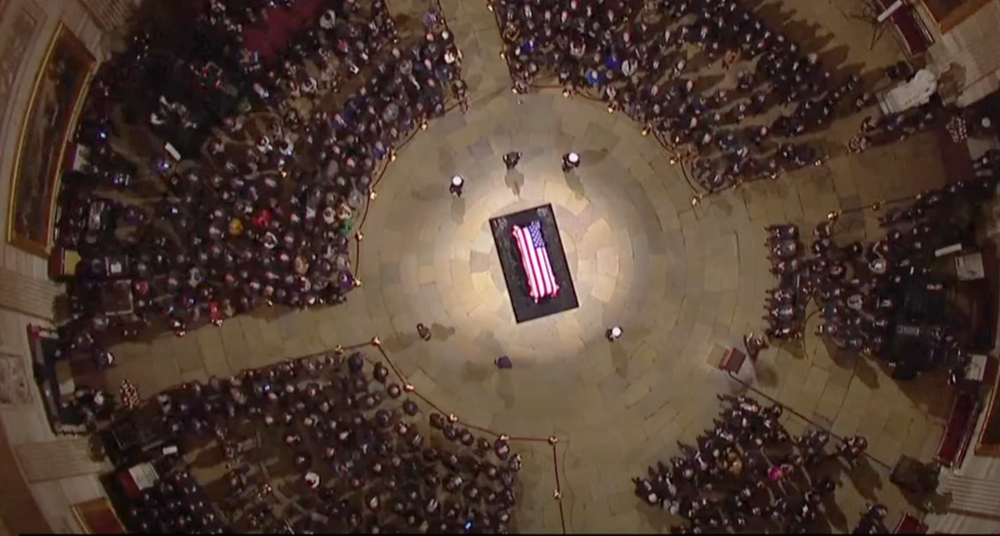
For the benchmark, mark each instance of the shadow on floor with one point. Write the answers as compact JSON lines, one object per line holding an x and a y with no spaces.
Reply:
{"x":593,"y":156}
{"x":442,"y":332}
{"x":400,"y":342}
{"x":575,"y":184}
{"x":505,"y":388}
{"x":865,"y":479}
{"x":515,"y":181}
{"x":765,"y":374}
{"x":931,"y":393}
{"x":458,"y":210}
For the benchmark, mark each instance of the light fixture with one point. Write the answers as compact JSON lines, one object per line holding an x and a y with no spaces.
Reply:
{"x":357,"y":282}
{"x":833,"y":215}
{"x":359,"y":236}
{"x":695,"y":201}
{"x":376,"y":342}
{"x":672,"y":161}
{"x":452,"y":418}
{"x":553,"y":440}
{"x":503,"y":55}
{"x":489,"y":6}
{"x":645,"y":131}
{"x":423,"y":126}
{"x":392,"y":156}
{"x":566,"y":92}
{"x":372,"y":195}
{"x":611,"y":108}
{"x":876,"y":205}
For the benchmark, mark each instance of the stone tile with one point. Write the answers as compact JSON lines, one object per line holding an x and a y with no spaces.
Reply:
{"x":830,"y":402}
{"x":846,"y":424}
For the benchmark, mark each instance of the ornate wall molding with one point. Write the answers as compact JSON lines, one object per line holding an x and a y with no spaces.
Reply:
{"x":110,"y":15}
{"x":25,"y":24}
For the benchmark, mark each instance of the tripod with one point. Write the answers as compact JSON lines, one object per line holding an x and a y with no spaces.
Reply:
{"x":869,"y":14}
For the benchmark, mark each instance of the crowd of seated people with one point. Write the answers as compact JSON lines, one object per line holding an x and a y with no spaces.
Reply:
{"x":263,"y":214}
{"x":333,"y":444}
{"x":647,"y":59}
{"x":748,"y":474}
{"x":175,"y":504}
{"x":877,"y":297}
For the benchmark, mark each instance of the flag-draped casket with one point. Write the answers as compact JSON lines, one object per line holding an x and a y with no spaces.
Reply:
{"x":535,"y":261}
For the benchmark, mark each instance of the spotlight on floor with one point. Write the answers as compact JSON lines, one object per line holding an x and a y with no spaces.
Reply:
{"x":457,"y":183}
{"x":570,"y":161}
{"x":613,"y":333}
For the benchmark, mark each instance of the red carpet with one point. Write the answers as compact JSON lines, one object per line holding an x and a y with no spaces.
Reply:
{"x":281,"y":24}
{"x":910,"y":525}
{"x":951,"y":450}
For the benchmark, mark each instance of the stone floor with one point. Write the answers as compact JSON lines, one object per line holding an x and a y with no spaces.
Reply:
{"x":683,"y":282}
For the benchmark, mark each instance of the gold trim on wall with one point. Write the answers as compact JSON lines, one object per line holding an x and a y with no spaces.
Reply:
{"x":101,"y":505}
{"x":24,"y":243}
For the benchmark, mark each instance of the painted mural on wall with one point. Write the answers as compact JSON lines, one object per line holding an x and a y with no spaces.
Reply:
{"x":14,"y":46}
{"x":55,"y":99}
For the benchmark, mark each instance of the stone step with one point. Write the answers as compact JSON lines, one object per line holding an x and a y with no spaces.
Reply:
{"x":972,"y":494}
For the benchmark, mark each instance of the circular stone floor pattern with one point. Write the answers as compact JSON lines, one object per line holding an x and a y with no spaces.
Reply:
{"x":677,"y":279}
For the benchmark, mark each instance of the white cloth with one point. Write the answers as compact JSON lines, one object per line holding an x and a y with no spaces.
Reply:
{"x":911,"y":94}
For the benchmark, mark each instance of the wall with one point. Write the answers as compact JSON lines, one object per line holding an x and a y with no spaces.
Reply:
{"x":974,"y":45}
{"x":26,"y":28}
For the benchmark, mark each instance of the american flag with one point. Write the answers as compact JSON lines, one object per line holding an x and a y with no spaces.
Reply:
{"x":535,"y":259}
